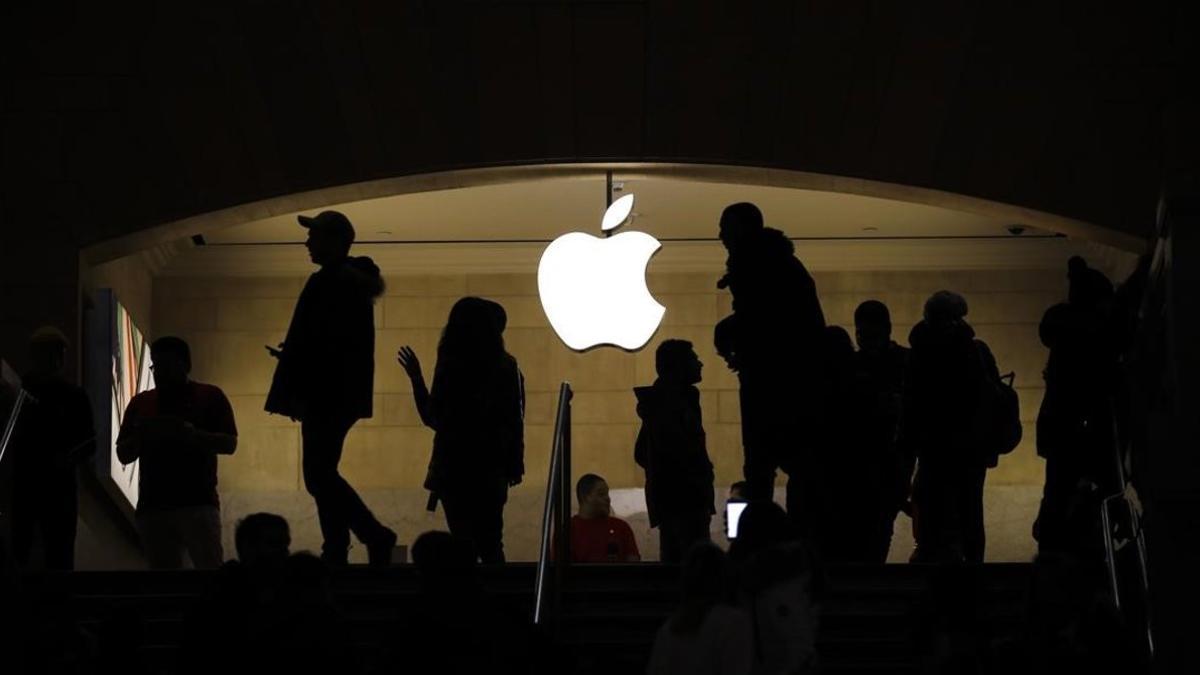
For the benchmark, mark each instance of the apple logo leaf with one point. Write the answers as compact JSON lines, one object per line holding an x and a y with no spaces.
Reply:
{"x":617,"y":213}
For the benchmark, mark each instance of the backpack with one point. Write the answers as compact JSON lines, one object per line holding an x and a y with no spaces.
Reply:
{"x":997,"y":423}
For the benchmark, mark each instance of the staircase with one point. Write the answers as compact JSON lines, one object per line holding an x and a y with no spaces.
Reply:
{"x":610,"y":612}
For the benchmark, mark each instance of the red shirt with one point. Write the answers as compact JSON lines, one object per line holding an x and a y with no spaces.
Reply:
{"x":174,"y":477}
{"x":602,"y":540}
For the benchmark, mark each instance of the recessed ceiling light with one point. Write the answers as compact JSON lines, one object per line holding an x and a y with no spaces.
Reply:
{"x":383,"y":232}
{"x":870,"y":228}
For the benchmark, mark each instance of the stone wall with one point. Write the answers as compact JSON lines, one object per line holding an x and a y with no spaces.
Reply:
{"x":229,"y":319}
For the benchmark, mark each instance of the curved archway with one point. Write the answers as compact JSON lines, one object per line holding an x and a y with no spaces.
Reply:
{"x":336,"y":196}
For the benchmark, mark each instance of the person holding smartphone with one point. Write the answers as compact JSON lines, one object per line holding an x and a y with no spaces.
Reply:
{"x":735,"y":503}
{"x":671,"y":447}
{"x":177,"y":430}
{"x":325,"y":378}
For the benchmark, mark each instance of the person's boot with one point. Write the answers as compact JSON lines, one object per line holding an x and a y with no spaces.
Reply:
{"x":379,"y":552}
{"x":337,"y":557}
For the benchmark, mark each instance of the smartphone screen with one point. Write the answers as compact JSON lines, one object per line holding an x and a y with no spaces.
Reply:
{"x":733,"y":512}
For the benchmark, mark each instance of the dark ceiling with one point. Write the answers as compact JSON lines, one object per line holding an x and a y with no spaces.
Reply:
{"x":122,"y":116}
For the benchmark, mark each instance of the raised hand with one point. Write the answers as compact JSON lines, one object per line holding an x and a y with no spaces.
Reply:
{"x":409,"y":361}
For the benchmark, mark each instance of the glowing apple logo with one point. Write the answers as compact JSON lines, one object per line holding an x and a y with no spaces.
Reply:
{"x":594,"y":291}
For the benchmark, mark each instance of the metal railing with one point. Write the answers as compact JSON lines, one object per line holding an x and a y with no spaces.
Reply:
{"x":11,"y":424}
{"x":556,"y":515}
{"x":1116,"y":537}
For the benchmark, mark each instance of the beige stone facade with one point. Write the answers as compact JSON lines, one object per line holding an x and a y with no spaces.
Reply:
{"x":229,"y":319}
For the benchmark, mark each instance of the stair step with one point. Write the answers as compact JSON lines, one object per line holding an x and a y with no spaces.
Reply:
{"x":611,"y":612}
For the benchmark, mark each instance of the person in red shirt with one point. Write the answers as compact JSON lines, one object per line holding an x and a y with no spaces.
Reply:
{"x":177,"y":430}
{"x":595,"y":535}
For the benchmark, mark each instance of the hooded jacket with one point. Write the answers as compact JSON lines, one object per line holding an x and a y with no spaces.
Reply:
{"x":671,"y":447}
{"x":478,"y":415}
{"x":941,"y":390}
{"x":327,"y":367}
{"x":775,"y":302}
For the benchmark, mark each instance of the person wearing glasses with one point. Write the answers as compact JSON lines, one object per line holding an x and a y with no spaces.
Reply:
{"x":176,"y":431}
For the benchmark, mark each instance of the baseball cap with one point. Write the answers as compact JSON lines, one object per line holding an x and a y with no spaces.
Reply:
{"x":334,"y":223}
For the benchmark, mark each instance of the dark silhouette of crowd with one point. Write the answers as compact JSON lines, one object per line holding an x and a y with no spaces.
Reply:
{"x":861,"y":434}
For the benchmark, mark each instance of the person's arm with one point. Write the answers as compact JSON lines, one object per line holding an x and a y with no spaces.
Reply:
{"x":412,"y":366}
{"x":219,"y":436}
{"x":516,"y":421}
{"x":214,"y":441}
{"x":987,"y":360}
{"x":906,"y":441}
{"x":129,"y":441}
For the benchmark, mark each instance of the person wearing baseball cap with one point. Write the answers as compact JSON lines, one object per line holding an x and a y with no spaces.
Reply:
{"x":329,"y":231}
{"x":325,"y":379}
{"x":53,"y":436}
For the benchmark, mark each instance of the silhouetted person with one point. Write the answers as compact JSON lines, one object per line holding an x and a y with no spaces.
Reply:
{"x":177,"y":430}
{"x":950,"y":635}
{"x":941,"y":397}
{"x":736,"y":495}
{"x":597,"y":536}
{"x":455,"y":625}
{"x":262,"y":539}
{"x":671,"y":448}
{"x":313,"y":636}
{"x":239,"y":622}
{"x":477,"y":411}
{"x":1075,"y":423}
{"x":845,"y":522}
{"x":53,"y":436}
{"x":737,"y":491}
{"x":706,"y":634}
{"x":774,"y":342}
{"x":780,"y":587}
{"x":325,"y":378}
{"x":15,"y":631}
{"x":1070,"y":624}
{"x":879,"y":367}
{"x":763,"y":524}
{"x":269,"y":615}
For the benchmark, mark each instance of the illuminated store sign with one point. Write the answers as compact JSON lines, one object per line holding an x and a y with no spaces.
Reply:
{"x":594,"y":290}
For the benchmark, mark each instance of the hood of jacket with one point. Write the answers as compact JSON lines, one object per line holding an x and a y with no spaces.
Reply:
{"x":942,"y":336}
{"x":775,"y":243}
{"x":364,"y":274}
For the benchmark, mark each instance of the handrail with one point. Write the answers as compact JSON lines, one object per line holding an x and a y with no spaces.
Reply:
{"x":555,"y":488}
{"x":1110,"y":550}
{"x":11,"y":424}
{"x":1137,"y":534}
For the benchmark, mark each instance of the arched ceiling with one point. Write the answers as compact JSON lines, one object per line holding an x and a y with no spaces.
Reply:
{"x":123,"y":117}
{"x":504,"y":226}
{"x":670,"y":209}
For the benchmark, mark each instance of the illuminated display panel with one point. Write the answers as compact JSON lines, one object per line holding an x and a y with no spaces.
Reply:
{"x":118,"y":368}
{"x":131,"y":375}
